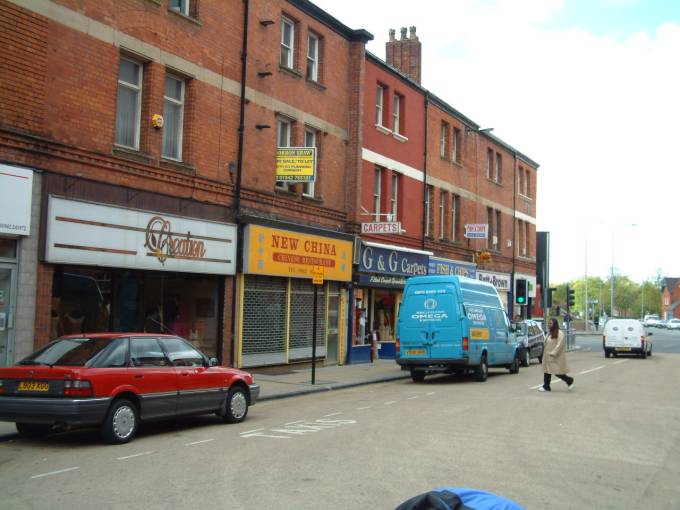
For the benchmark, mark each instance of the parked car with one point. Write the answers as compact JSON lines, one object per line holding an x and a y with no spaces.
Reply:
{"x":452,"y":324}
{"x":626,"y":336}
{"x":673,"y":324}
{"x":531,"y":341}
{"x":663,"y":324}
{"x":651,"y":320}
{"x":116,"y":380}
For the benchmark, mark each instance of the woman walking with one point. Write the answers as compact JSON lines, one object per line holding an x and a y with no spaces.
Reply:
{"x":555,"y":357}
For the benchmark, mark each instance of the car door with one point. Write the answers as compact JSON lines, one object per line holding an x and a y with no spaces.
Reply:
{"x":201,"y":387}
{"x":154,"y":377}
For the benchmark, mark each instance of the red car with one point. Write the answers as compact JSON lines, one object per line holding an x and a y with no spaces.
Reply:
{"x":116,"y":380}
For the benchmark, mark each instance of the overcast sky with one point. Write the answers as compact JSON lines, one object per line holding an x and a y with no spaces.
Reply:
{"x":587,"y":88}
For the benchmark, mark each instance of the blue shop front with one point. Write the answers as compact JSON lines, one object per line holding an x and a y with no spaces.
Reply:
{"x":377,"y":288}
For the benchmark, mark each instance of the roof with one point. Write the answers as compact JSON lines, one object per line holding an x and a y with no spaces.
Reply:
{"x":671,"y":283}
{"x":320,"y":15}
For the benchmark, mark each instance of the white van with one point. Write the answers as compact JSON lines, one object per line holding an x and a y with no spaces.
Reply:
{"x":626,"y":336}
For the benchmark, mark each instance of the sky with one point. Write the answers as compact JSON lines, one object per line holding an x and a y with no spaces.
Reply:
{"x":589,"y":89}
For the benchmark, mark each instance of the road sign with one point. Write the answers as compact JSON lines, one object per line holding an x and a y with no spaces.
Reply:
{"x":317,"y":275}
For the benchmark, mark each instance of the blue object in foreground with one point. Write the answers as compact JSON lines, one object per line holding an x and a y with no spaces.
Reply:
{"x":456,"y":498}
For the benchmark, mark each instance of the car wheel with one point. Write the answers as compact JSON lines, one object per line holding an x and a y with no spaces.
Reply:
{"x":33,"y":430}
{"x":236,"y":405}
{"x":121,"y":422}
{"x":527,"y":358}
{"x":482,"y":370}
{"x":607,"y":354}
{"x":540,"y":358}
{"x":643,"y":354}
{"x":650,"y":352}
{"x":417,"y":375}
{"x":514,"y":367}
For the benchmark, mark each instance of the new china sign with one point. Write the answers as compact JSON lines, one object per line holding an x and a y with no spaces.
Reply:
{"x":381,"y":260}
{"x":103,"y":235}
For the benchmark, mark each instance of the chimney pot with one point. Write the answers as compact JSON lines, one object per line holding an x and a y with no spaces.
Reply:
{"x":412,"y":32}
{"x":392,"y":32}
{"x":403,"y":33}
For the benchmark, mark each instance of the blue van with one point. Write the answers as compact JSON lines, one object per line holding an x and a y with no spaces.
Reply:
{"x":453,"y":324}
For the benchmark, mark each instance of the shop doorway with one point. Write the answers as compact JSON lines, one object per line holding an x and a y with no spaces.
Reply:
{"x":7,"y":298}
{"x":333,"y":328}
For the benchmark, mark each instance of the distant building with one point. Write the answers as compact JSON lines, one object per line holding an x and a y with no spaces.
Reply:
{"x":670,"y":298}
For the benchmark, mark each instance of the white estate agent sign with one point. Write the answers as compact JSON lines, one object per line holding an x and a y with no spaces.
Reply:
{"x":103,"y":235}
{"x":476,"y":230}
{"x":16,"y":187}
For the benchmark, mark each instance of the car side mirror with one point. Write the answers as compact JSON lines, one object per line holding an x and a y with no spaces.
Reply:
{"x":650,"y":333}
{"x":213,"y":362}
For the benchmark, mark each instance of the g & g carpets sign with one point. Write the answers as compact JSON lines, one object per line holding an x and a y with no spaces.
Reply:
{"x":103,"y":235}
{"x":385,"y":261}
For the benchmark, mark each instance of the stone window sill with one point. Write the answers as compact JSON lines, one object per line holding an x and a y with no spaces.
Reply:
{"x":399,"y":137}
{"x":292,"y":72}
{"x":178,"y":166}
{"x":316,"y":84}
{"x":132,"y":154}
{"x":185,"y":17}
{"x":383,"y":129}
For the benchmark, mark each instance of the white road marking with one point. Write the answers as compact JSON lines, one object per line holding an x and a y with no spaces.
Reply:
{"x":430,"y":393}
{"x":329,"y":415}
{"x":390,"y":402}
{"x":55,"y":472}
{"x":619,"y":362}
{"x":199,"y":442}
{"x":254,"y":430}
{"x":290,"y":423}
{"x":363,"y":408}
{"x":412,"y":398}
{"x":591,"y":370}
{"x":135,"y":455}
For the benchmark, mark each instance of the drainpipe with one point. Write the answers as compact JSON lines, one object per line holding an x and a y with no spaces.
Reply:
{"x":425,"y":219}
{"x":239,"y":173}
{"x":514,"y":238}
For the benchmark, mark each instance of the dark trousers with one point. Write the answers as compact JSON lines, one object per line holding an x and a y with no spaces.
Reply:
{"x":564,"y":377}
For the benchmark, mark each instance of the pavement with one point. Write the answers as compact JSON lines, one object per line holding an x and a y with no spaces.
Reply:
{"x":290,"y":381}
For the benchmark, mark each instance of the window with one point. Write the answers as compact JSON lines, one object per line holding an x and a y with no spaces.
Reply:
{"x":397,"y":113}
{"x":394,"y":197}
{"x":455,"y":204}
{"x":182,"y":354}
{"x":377,"y":185}
{"x":429,"y":204}
{"x":497,"y":237}
{"x":489,"y":164}
{"x":173,"y":114}
{"x":379,"y":96}
{"x":499,"y":167}
{"x":457,"y":145}
{"x":442,"y":213}
{"x":147,"y":352}
{"x":444,"y":140}
{"x":115,"y":355}
{"x":521,"y":244}
{"x":310,"y":141}
{"x":520,"y":180}
{"x":180,"y":6}
{"x":527,"y":184}
{"x":129,"y":108}
{"x":283,"y":129}
{"x":489,"y":221}
{"x":312,"y":57}
{"x":287,"y":42}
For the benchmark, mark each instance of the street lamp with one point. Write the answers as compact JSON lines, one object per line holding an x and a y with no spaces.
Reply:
{"x":611,"y":278}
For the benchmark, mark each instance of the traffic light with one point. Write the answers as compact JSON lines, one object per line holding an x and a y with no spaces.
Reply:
{"x":571,"y":299}
{"x":521,"y":291}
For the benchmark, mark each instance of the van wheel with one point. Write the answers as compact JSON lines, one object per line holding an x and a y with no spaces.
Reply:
{"x":644,"y":354}
{"x":650,"y":352}
{"x":607,"y":353}
{"x":417,"y":375}
{"x":514,"y":367}
{"x":527,"y":358}
{"x":482,"y":370}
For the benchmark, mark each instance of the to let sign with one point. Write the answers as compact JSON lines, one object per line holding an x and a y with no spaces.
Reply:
{"x":317,"y":275}
{"x":385,"y":227}
{"x":476,"y":231}
{"x":296,"y":164}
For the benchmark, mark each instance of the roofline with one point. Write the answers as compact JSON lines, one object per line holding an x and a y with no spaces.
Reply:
{"x":440,"y":103}
{"x":509,"y":147}
{"x":396,"y":72}
{"x":334,"y":24}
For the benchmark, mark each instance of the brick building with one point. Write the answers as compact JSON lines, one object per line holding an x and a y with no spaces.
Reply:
{"x":670,"y":298}
{"x":146,"y":147}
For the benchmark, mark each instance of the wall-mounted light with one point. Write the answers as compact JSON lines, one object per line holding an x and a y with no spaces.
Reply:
{"x":262,"y":126}
{"x":266,"y":22}
{"x":262,"y":74}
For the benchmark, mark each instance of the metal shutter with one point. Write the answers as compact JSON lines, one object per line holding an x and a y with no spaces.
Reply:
{"x":301,"y":320}
{"x":264,"y":321}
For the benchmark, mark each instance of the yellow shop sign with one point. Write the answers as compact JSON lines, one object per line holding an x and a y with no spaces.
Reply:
{"x":271,"y":251}
{"x":296,"y":164}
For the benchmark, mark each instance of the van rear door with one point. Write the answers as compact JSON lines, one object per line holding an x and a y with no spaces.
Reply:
{"x":623,"y":335}
{"x":429,"y":322}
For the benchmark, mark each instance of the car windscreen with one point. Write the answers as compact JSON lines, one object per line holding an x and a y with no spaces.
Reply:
{"x":68,"y":351}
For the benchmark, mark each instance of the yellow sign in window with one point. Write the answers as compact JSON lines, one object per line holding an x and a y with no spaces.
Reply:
{"x":296,"y":164}
{"x":479,"y":333}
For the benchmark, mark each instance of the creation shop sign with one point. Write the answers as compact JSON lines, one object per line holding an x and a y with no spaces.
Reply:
{"x":447,"y":267}
{"x":102,"y":235}
{"x":394,"y":262}
{"x":499,"y":280}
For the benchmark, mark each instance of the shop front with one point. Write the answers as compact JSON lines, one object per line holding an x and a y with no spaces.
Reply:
{"x":19,"y":226}
{"x":275,"y":317}
{"x":499,"y":280}
{"x":121,"y":269}
{"x":377,"y":294}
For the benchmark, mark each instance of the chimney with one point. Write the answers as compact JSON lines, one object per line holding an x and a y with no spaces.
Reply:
{"x":404,"y":54}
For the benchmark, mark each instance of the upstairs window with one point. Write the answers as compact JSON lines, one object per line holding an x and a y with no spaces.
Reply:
{"x":499,"y":167}
{"x":377,"y":188}
{"x":180,"y":6}
{"x":287,"y":42}
{"x":397,"y":113}
{"x":455,"y":205}
{"x":444,"y":140}
{"x":283,"y":134}
{"x":173,"y":115}
{"x":489,"y":164}
{"x":527,"y":184}
{"x":429,"y":205}
{"x":457,"y":152}
{"x":129,"y":106}
{"x":310,"y":141}
{"x":379,"y":98}
{"x":312,"y":57}
{"x":394,"y":199}
{"x":443,"y":196}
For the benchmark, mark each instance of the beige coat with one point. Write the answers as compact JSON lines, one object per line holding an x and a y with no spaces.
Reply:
{"x":555,"y":355}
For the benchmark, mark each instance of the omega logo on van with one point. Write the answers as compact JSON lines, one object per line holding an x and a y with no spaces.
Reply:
{"x":476,"y":315}
{"x":429,"y":316}
{"x":430,"y":304}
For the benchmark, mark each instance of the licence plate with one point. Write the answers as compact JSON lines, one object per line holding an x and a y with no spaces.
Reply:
{"x":623,"y":349}
{"x":415,"y":352}
{"x":33,"y":386}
